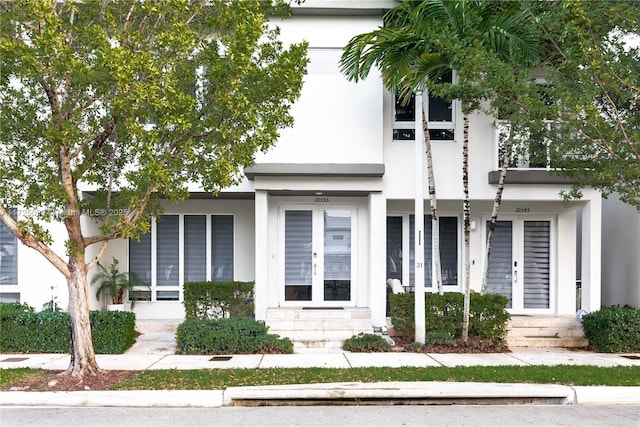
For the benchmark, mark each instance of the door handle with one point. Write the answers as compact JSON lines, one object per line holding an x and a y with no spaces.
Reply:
{"x":315,"y":267}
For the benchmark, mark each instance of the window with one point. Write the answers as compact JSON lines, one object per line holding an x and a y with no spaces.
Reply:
{"x":400,"y":231}
{"x":438,"y":111}
{"x":183,"y":248}
{"x":8,"y":254}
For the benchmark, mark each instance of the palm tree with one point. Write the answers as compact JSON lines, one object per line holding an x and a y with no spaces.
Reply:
{"x":424,"y":39}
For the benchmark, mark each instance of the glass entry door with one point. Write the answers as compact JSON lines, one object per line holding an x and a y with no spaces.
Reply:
{"x":520,"y":266}
{"x":318,"y":260}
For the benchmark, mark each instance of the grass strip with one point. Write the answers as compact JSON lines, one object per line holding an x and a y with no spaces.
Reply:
{"x":220,"y":379}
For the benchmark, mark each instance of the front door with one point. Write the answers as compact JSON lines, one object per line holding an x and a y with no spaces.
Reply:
{"x":520,"y":266}
{"x":318,"y":259}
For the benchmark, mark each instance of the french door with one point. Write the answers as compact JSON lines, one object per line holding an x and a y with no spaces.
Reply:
{"x":318,"y":261}
{"x":521,"y":264}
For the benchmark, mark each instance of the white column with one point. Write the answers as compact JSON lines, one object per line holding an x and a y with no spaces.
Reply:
{"x":591,"y":254}
{"x":419,"y":222}
{"x":261,"y":293}
{"x":377,"y":262}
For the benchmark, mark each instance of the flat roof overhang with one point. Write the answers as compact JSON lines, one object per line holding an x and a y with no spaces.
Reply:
{"x":353,"y":170}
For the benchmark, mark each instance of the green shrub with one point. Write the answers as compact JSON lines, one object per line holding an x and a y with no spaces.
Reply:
{"x":228,"y":336}
{"x":613,"y":329}
{"x":22,"y":330}
{"x":366,"y":343}
{"x":443,"y":313}
{"x":112,"y":332}
{"x":212,"y":300}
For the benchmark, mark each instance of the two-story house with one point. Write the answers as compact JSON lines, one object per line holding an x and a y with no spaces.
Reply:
{"x":325,"y":218}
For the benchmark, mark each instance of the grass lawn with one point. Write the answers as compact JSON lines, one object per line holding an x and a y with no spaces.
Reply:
{"x":218,"y":379}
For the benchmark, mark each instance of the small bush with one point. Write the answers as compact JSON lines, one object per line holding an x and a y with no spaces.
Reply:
{"x":366,"y":343}
{"x":228,"y":336}
{"x":434,"y":338}
{"x":22,"y":330}
{"x":213,"y":300}
{"x":613,"y":329}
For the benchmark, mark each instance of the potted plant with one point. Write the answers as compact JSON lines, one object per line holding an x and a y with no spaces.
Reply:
{"x":116,"y":284}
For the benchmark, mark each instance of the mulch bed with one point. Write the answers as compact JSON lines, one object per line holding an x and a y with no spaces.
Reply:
{"x":55,"y":381}
{"x":473,"y":345}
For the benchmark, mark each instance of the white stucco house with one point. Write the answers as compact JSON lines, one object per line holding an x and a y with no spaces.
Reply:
{"x":325,"y":218}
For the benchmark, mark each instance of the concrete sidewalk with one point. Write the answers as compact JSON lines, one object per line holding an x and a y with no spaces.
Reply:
{"x":155,"y":349}
{"x":335,"y":393}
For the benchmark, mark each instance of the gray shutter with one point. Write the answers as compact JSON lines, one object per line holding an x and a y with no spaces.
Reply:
{"x":448,"y":250}
{"x":222,"y":248}
{"x":536,"y":264}
{"x":140,"y":257}
{"x":8,"y":254}
{"x":195,"y":248}
{"x":500,"y":269}
{"x":394,"y":247}
{"x":298,"y":255}
{"x":167,"y":268}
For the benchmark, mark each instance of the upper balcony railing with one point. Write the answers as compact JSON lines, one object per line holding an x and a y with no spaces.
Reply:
{"x":529,"y":150}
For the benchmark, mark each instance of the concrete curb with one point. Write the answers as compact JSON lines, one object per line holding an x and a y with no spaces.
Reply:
{"x":125,"y":398}
{"x":334,"y":393}
{"x":425,"y":392}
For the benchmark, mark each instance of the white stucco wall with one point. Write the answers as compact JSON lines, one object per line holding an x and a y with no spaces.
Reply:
{"x":620,"y":253}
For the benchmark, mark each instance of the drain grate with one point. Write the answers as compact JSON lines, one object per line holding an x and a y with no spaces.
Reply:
{"x":220,"y":358}
{"x":631,"y":356}
{"x":15,"y":359}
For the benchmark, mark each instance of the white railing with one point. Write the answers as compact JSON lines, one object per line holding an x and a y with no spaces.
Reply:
{"x":528,"y":151}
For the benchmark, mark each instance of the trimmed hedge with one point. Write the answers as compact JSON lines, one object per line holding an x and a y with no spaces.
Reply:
{"x":22,"y":330}
{"x":444,"y":313}
{"x":613,"y":329}
{"x":212,"y":300}
{"x":228,"y":336}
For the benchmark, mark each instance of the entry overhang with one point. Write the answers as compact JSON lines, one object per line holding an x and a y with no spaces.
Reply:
{"x":371,"y":170}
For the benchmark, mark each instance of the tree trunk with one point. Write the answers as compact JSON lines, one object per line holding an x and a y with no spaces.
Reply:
{"x":496,"y":208}
{"x":83,"y":359}
{"x":435,"y":225}
{"x":467,"y":230}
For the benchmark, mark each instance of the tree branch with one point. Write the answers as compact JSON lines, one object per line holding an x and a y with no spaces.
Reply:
{"x":31,"y":241}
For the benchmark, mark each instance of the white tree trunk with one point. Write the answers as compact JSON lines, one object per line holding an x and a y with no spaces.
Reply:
{"x":496,"y":208}
{"x":433,"y":204}
{"x":467,"y":229}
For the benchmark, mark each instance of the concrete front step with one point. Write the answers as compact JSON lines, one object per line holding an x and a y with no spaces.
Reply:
{"x":318,"y":328}
{"x":545,"y":331}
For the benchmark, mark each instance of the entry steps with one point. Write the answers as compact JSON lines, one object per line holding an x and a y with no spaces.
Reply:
{"x":318,"y":328}
{"x":545,"y":331}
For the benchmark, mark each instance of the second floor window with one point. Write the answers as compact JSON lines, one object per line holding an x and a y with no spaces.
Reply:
{"x":439,"y":114}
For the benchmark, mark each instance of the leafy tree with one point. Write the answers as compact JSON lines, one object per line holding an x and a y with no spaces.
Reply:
{"x":592,"y":50}
{"x":133,"y":100}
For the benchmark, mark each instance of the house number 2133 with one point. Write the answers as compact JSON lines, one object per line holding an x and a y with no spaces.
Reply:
{"x":322,"y":200}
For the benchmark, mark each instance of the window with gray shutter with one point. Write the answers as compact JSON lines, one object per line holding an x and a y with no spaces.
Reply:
{"x":222,"y":248}
{"x":140,"y":257}
{"x":195,"y":248}
{"x":500,"y":267}
{"x":8,"y":254}
{"x":448,"y":250}
{"x":167,"y":268}
{"x":394,"y":247}
{"x":298,"y":255}
{"x":536,"y":264}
